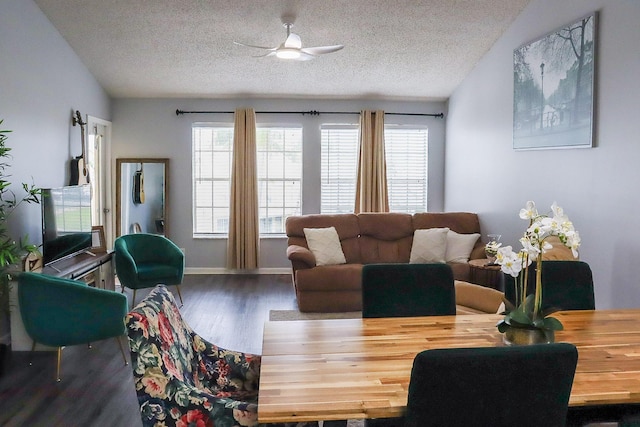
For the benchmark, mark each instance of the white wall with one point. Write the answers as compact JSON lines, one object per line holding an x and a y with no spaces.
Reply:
{"x":42,"y":81}
{"x":150,"y":128}
{"x":596,"y":186}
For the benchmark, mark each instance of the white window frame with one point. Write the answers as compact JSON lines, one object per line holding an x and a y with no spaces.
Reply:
{"x":338,"y":181}
{"x":403,"y":171}
{"x":200,"y":178}
{"x":287,"y":179}
{"x":202,"y":202}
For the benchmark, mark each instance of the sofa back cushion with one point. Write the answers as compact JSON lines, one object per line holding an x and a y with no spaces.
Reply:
{"x":460,"y":222}
{"x":345,"y":224}
{"x":385,"y":237}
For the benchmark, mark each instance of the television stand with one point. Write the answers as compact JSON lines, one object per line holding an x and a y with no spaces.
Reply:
{"x":91,"y":267}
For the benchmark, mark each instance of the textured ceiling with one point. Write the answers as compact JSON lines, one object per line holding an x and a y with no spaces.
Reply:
{"x":405,"y":50}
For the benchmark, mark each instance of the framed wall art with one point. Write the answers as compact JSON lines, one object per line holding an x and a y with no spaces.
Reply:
{"x":553,"y":99}
{"x":98,"y":243}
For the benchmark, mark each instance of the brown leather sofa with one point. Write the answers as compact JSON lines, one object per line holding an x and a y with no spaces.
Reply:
{"x":365,"y":238}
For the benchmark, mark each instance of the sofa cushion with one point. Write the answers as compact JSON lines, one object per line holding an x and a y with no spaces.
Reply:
{"x":346,"y":277}
{"x":345,"y":224}
{"x":477,"y":298}
{"x":429,"y":245}
{"x":385,"y":237}
{"x":459,"y":246}
{"x":325,"y":245}
{"x":460,"y":222}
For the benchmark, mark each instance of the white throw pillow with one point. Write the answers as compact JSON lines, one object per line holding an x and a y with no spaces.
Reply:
{"x":325,"y":245}
{"x":429,"y":245}
{"x":459,"y":246}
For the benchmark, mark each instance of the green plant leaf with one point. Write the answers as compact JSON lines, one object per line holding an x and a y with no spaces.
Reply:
{"x":553,"y":324}
{"x":519,"y":316}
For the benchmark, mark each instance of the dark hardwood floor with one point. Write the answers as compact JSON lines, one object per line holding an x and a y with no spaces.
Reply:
{"x":97,"y":388}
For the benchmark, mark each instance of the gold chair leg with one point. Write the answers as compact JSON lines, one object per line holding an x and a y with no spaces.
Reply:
{"x":33,"y":348}
{"x":179,"y":295}
{"x":133,"y":300}
{"x":126,"y":362}
{"x":58,"y":364}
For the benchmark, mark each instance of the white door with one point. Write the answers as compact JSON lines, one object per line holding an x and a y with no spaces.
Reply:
{"x":99,"y":163}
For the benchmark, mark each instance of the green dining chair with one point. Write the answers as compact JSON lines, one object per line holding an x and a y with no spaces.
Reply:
{"x":566,"y":285}
{"x":146,"y":260}
{"x":405,"y":290}
{"x":524,"y":386}
{"x":61,"y":312}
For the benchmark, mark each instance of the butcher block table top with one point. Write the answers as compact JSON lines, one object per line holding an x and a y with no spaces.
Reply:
{"x":360,"y":368}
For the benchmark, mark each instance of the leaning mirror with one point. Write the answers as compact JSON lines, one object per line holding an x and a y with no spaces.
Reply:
{"x":142,"y":196}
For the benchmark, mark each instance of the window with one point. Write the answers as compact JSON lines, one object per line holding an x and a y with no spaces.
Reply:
{"x":212,"y":153}
{"x":279,"y":158}
{"x":279,"y":170}
{"x":406,"y":154}
{"x":339,"y":164}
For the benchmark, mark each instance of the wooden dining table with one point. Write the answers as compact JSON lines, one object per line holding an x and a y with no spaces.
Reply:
{"x":360,"y":368}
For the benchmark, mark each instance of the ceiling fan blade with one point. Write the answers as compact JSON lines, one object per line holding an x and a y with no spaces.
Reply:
{"x":304,"y":56}
{"x":319,"y":50}
{"x":265,"y":55}
{"x":257,"y":47}
{"x":293,"y":41}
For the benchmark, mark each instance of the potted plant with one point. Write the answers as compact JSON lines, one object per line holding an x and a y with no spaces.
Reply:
{"x":11,"y":251}
{"x":527,"y":322}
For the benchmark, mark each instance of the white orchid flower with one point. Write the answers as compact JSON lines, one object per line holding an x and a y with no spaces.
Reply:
{"x":546,"y":246}
{"x":573,"y":242}
{"x":524,"y":258}
{"x":512,"y":264}
{"x":530,"y":247}
{"x":502,"y":253}
{"x":529,"y":211}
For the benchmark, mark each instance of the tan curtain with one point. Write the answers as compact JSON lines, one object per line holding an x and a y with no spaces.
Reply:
{"x":371,"y":188}
{"x":243,"y":244}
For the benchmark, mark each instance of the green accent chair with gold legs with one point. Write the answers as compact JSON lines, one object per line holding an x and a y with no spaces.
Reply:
{"x":61,"y":312}
{"x":146,"y":260}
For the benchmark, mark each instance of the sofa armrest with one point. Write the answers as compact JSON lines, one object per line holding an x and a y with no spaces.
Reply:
{"x":300,"y":257}
{"x":478,"y":253}
{"x":478,"y":297}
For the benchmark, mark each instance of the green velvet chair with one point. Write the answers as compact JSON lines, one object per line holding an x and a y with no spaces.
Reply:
{"x":566,"y":285}
{"x":61,"y":312}
{"x":405,"y":290}
{"x":146,"y":260}
{"x":524,"y":386}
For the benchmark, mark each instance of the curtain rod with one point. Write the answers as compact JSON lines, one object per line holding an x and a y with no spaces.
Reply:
{"x":311,"y":113}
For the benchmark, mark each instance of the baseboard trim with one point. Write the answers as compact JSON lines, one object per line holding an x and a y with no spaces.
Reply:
{"x":221,"y":270}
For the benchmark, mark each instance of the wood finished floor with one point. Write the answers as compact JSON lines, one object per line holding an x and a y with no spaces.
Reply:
{"x":97,"y":388}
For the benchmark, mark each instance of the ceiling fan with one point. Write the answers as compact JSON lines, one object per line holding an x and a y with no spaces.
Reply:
{"x":292,"y":48}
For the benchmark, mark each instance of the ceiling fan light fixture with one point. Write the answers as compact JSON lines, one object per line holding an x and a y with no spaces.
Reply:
{"x":288,"y":53}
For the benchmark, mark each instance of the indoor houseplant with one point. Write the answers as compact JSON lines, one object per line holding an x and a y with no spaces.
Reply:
{"x":527,"y":322}
{"x":11,"y":250}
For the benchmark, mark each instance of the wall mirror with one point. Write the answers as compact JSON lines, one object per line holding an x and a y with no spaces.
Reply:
{"x":142,"y":196}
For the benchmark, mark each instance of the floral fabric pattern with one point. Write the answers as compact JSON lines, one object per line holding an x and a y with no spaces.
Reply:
{"x":181,"y":379}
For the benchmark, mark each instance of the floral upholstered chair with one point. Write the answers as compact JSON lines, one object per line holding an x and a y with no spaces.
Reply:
{"x":181,"y":379}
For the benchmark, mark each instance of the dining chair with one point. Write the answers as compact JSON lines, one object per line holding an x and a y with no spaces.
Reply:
{"x":60,"y":312}
{"x":566,"y":285}
{"x":145,"y":260}
{"x":406,"y":290}
{"x":525,"y":386}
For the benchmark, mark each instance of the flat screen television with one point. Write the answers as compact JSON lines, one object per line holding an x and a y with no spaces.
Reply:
{"x":66,"y":221}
